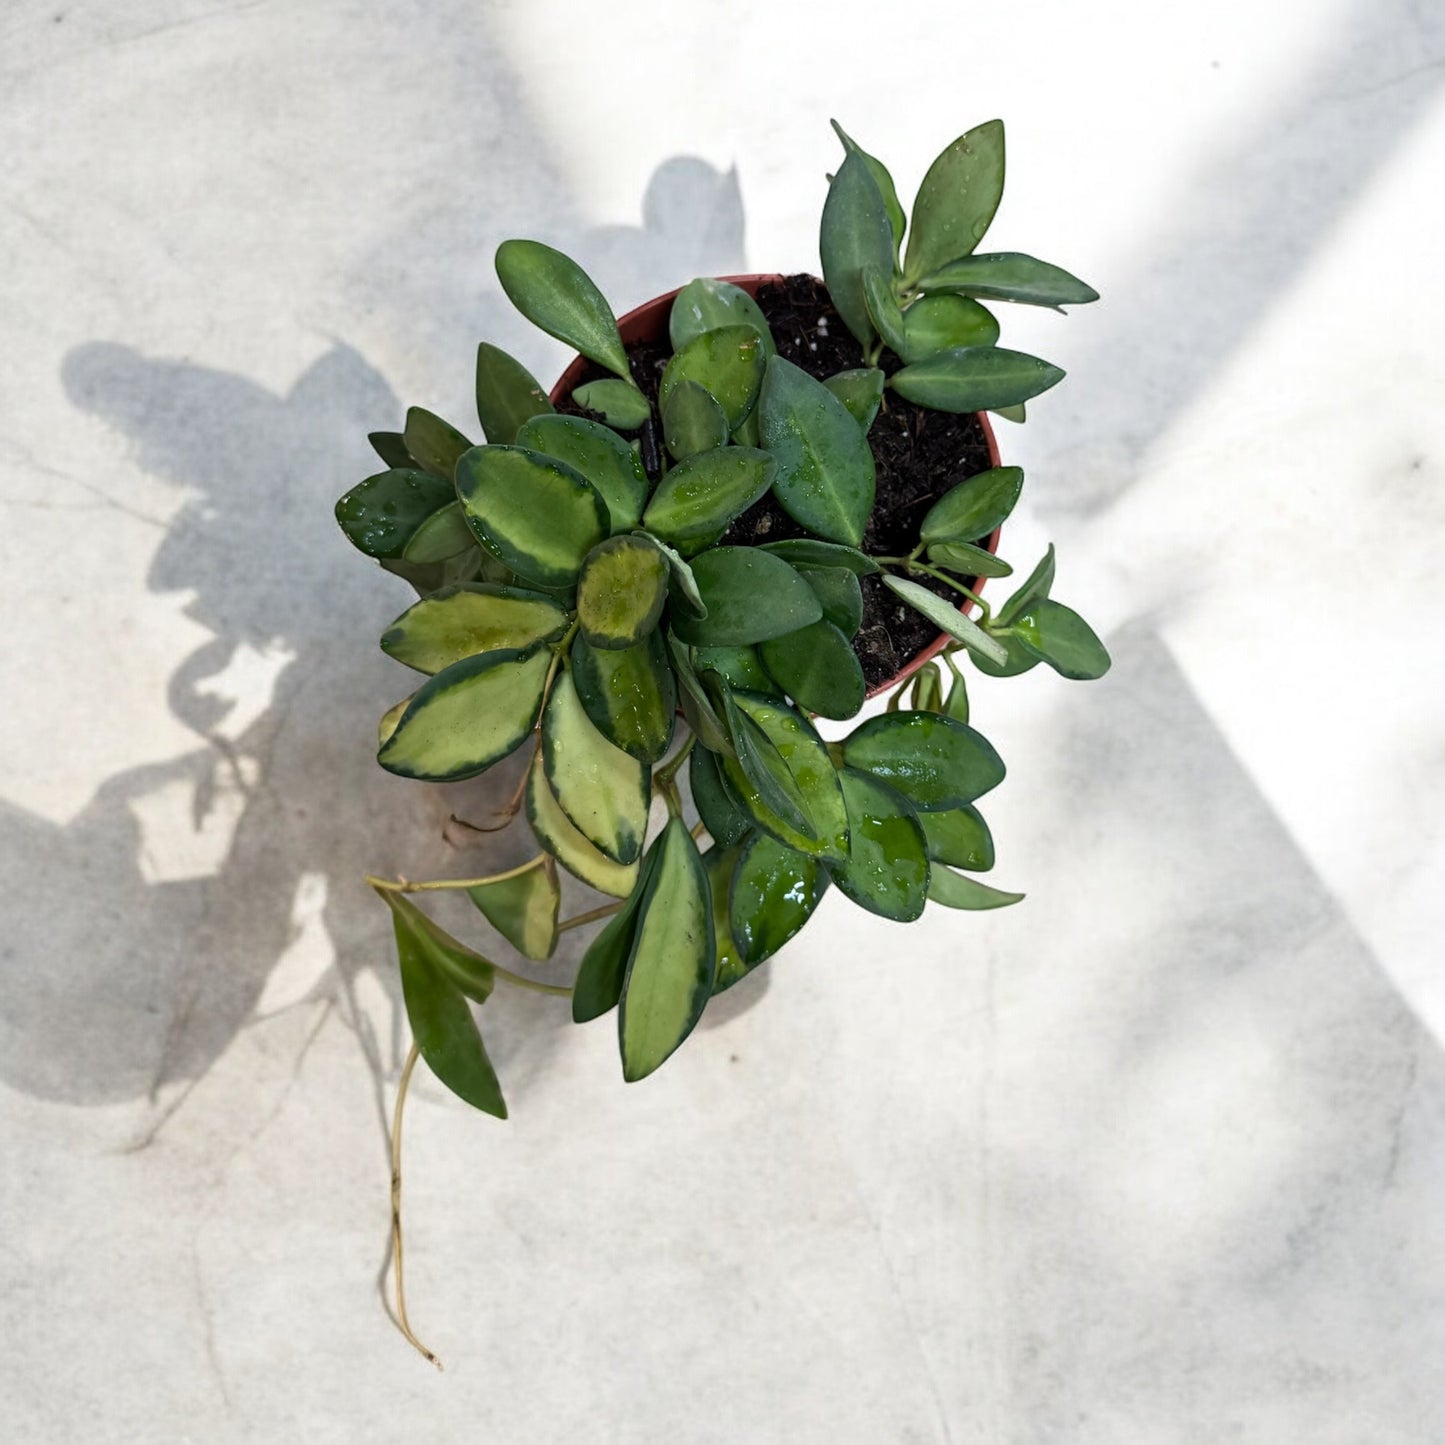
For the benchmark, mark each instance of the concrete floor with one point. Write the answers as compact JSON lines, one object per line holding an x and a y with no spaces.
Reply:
{"x":1157,"y":1157}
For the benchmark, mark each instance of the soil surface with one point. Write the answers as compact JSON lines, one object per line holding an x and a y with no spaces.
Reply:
{"x":918,"y":455}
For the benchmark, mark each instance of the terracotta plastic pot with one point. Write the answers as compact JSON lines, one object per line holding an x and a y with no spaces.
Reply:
{"x":648,"y":322}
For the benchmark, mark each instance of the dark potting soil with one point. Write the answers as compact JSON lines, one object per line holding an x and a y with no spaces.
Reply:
{"x":918,"y":455}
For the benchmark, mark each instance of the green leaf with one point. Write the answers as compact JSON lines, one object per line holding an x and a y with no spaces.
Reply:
{"x":1016,"y":414}
{"x":708,"y":305}
{"x":619,"y":403}
{"x":380,"y":514}
{"x":458,"y":965}
{"x":670,"y":969}
{"x":934,"y":762}
{"x":601,"y":456}
{"x":727,"y":362}
{"x":598,"y":985}
{"x":750,"y":596}
{"x":508,"y":395}
{"x":767,"y":777}
{"x":774,"y":893}
{"x":603,"y":790}
{"x":523,"y":910}
{"x":463,"y":621}
{"x":837,"y":590}
{"x":927,"y":691}
{"x":1035,"y":586}
{"x":738,"y":666}
{"x":697,"y":706}
{"x":882,"y":180}
{"x":825,"y":475}
{"x":886,"y":870}
{"x":720,"y":812}
{"x":945,"y":616}
{"x":809,"y":552}
{"x":621,"y":591}
{"x":389,"y":446}
{"x":974,"y":507}
{"x":692,"y":421}
{"x":556,"y":833}
{"x":683,"y":588}
{"x":956,"y":201}
{"x":469,"y":716}
{"x":816,"y":667}
{"x":1017,"y":657}
{"x":968,"y":560}
{"x":883,"y":308}
{"x":953,"y":890}
{"x":861,"y":391}
{"x":553,"y":292}
{"x":959,"y":837}
{"x":443,"y":535}
{"x":937,"y":323}
{"x":389,"y":720}
{"x":1063,"y":639}
{"x":855,"y":233}
{"x":974,"y":378}
{"x":629,"y":694}
{"x":436,"y":1007}
{"x":956,"y":704}
{"x":536,"y":514}
{"x":1009,"y":276}
{"x":697,"y":499}
{"x":434,"y":443}
{"x":720,"y":865}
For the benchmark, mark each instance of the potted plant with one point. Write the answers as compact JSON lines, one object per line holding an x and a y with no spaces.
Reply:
{"x":755,"y":501}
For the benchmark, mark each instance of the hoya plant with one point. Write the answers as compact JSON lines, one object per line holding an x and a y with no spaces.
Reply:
{"x":663,"y":575}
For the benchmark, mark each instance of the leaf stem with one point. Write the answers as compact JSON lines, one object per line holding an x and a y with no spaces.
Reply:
{"x":406,"y":885}
{"x":592,"y":915}
{"x":668,"y":771}
{"x":557,"y":990}
{"x":402,"y":1323}
{"x":985,"y":611}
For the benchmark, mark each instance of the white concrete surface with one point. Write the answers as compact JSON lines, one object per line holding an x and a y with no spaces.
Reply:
{"x":1157,"y":1157}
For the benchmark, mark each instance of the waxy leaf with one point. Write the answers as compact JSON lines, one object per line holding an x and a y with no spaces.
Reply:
{"x":434,"y":443}
{"x":719,"y":810}
{"x":882,"y":180}
{"x":934,"y":762}
{"x":774,"y":893}
{"x":738,"y":666}
{"x":708,"y":305}
{"x":683,"y":587}
{"x":444,"y":534}
{"x":380,"y":514}
{"x":619,"y":403}
{"x":956,"y":703}
{"x":429,"y":577}
{"x":720,"y":864}
{"x":389,"y":720}
{"x":825,"y":478}
{"x":523,"y":909}
{"x":508,"y":395}
{"x":838,"y":591}
{"x":697,"y":499}
{"x":693,"y":421}
{"x":974,"y":378}
{"x":967,"y":560}
{"x":1016,"y":414}
{"x":630,"y":694}
{"x":621,"y":591}
{"x":598,"y":985}
{"x":947,"y":617}
{"x":1060,"y":637}
{"x":670,"y":970}
{"x":390,"y":447}
{"x":750,"y":596}
{"x":727,"y":362}
{"x":536,"y":514}
{"x":1035,"y":586}
{"x":460,"y":622}
{"x":861,"y":391}
{"x":956,"y":201}
{"x":937,"y":323}
{"x":767,"y":776}
{"x":556,"y":833}
{"x":553,"y":292}
{"x":809,"y":552}
{"x":883,"y":308}
{"x":469,"y":716}
{"x":959,"y":837}
{"x":697,"y":706}
{"x":816,"y":667}
{"x":855,"y":233}
{"x":974,"y":507}
{"x":603,"y":790}
{"x":1009,"y":276}
{"x":926,"y":694}
{"x":596,"y":452}
{"x":1018,"y":658}
{"x":887,"y":868}
{"x":953,"y":890}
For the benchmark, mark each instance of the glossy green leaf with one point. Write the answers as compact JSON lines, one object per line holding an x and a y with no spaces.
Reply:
{"x":926,"y":695}
{"x":974,"y":378}
{"x":380,"y":514}
{"x":683,"y":586}
{"x":1018,"y":658}
{"x":597,"y":453}
{"x":1034,"y":587}
{"x":934,"y":762}
{"x":708,"y":305}
{"x":816,"y":667}
{"x":738,"y":666}
{"x":670,"y":969}
{"x":523,"y":909}
{"x":855,"y":233}
{"x":809,"y":552}
{"x":825,"y":478}
{"x":429,"y":577}
{"x":556,"y":833}
{"x":508,"y":395}
{"x":389,"y":720}
{"x":536,"y":514}
{"x":553,"y":292}
{"x":767,"y":777}
{"x":959,"y":837}
{"x":837,"y":589}
{"x":598,"y":985}
{"x":442,"y":535}
{"x":630,"y":694}
{"x":882,"y":180}
{"x":462,"y":967}
{"x":955,"y":705}
{"x":774,"y":893}
{"x":720,"y":865}
{"x":619,"y":403}
{"x":460,"y":622}
{"x":1010,"y":276}
{"x":603,"y":790}
{"x":883,"y":308}
{"x":697,"y":499}
{"x":1016,"y":414}
{"x":434,"y":443}
{"x":974,"y":507}
{"x":750,"y":596}
{"x":727,"y":362}
{"x":937,"y":323}
{"x":947,"y":618}
{"x":953,"y":890}
{"x":886,"y":870}
{"x":967,"y":560}
{"x":621,"y":590}
{"x":693,"y":421}
{"x":956,"y":201}
{"x":716,"y":806}
{"x":469,"y":716}
{"x":861,"y":391}
{"x":390,"y":447}
{"x":1063,"y":639}
{"x":697,"y":706}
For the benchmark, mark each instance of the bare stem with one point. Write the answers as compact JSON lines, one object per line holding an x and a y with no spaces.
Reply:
{"x":402,"y":1323}
{"x":406,"y":885}
{"x":591,"y":916}
{"x":517,"y":980}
